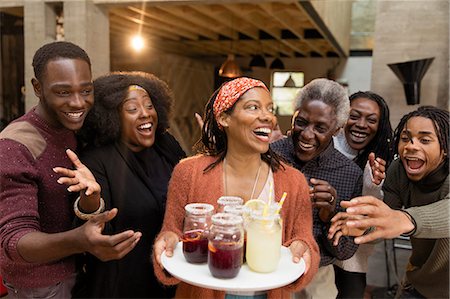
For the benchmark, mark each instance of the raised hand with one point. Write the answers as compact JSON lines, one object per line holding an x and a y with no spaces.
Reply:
{"x":378,"y":167}
{"x":106,"y":247}
{"x":339,"y":227}
{"x":199,"y":120}
{"x":387,"y":223}
{"x":166,"y":241}
{"x":79,"y":179}
{"x":323,"y":196}
{"x":300,"y":250}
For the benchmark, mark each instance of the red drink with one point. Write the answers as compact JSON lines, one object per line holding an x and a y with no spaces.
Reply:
{"x":195,"y":247}
{"x":225,"y":260}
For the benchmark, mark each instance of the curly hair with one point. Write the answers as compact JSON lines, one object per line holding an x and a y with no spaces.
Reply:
{"x":328,"y":92}
{"x":214,"y":141}
{"x":102,"y":124}
{"x":381,"y":142}
{"x":56,"y":50}
{"x":438,"y":116}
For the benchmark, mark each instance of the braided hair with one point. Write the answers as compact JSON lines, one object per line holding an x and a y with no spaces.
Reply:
{"x":214,"y":140}
{"x":381,"y":142}
{"x":440,"y":119}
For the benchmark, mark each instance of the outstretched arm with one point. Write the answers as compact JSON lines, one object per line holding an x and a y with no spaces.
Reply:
{"x":365,"y":212}
{"x":432,"y":221}
{"x":39,"y":247}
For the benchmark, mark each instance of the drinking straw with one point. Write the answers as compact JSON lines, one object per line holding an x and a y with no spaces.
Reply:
{"x":280,"y":204}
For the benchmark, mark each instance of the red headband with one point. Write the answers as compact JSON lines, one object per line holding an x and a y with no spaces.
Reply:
{"x":231,"y":92}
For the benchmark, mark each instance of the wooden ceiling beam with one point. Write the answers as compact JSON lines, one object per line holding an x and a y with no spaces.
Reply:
{"x":131,"y":24}
{"x":199,"y":19}
{"x":327,"y":35}
{"x":178,"y":22}
{"x":226,"y":20}
{"x":282,"y":17}
{"x":138,"y":19}
{"x":262,"y":24}
{"x":270,"y":28}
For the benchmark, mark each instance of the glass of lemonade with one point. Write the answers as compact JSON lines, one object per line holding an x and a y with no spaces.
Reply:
{"x":263,"y":242}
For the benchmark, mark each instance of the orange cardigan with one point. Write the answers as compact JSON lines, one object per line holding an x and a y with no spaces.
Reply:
{"x":189,"y":184}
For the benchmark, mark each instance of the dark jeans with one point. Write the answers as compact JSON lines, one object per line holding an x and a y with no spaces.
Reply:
{"x":350,"y":285}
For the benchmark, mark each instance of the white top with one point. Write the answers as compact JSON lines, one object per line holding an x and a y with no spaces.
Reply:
{"x":359,"y":261}
{"x":265,"y":192}
{"x":369,"y":188}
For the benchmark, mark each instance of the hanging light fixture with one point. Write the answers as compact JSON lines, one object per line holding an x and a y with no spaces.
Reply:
{"x":289,"y":82}
{"x":277,"y":64}
{"x":230,"y":69}
{"x":258,"y":61}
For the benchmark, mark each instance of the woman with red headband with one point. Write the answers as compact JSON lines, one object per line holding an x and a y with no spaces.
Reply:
{"x":236,"y":160}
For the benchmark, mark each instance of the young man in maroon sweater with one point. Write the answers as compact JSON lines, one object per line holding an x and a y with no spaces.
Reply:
{"x":36,"y":210}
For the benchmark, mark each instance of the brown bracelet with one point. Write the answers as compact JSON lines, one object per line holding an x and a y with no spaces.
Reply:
{"x":85,"y":216}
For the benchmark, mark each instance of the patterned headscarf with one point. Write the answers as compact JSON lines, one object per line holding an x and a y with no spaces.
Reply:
{"x":231,"y":92}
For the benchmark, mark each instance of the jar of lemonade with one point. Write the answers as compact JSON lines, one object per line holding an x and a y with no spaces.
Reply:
{"x":225,"y":247}
{"x":263,"y":242}
{"x":197,"y":221}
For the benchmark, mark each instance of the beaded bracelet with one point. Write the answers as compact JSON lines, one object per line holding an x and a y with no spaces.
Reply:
{"x":85,"y":216}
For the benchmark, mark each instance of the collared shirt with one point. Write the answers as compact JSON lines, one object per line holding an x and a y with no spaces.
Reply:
{"x":341,"y":173}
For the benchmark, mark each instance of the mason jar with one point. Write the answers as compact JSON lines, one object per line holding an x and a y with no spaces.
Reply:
{"x":225,"y":247}
{"x":197,"y":221}
{"x":263,"y":242}
{"x":224,"y":201}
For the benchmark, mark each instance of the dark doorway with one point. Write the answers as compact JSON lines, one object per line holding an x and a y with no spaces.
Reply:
{"x":11,"y":67}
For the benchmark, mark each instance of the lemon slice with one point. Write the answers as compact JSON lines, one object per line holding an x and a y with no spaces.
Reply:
{"x":255,"y":204}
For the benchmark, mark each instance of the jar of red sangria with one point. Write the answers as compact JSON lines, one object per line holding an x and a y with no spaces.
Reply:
{"x":225,"y":247}
{"x":195,"y":233}
{"x":239,"y":211}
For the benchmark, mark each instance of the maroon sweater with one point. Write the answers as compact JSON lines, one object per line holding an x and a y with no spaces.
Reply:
{"x":31,"y":199}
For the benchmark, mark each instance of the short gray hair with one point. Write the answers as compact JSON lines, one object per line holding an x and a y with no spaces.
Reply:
{"x":329,"y":92}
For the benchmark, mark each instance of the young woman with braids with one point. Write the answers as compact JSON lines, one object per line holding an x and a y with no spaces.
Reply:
{"x":365,"y":139}
{"x":415,"y":203}
{"x":236,"y":160}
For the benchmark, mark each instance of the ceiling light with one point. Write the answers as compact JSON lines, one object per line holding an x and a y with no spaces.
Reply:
{"x":137,"y":43}
{"x":229,"y":68}
{"x":257,"y":61}
{"x":277,"y":64}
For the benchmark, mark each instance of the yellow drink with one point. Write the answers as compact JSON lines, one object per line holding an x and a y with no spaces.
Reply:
{"x":263,"y":243}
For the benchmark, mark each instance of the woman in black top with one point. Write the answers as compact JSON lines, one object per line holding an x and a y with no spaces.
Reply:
{"x":131,"y":154}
